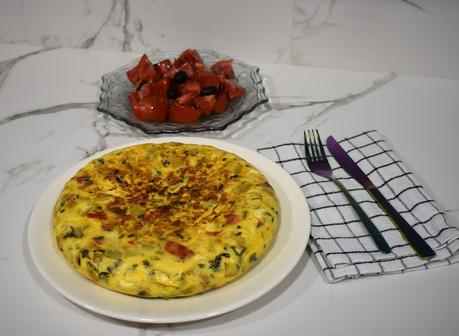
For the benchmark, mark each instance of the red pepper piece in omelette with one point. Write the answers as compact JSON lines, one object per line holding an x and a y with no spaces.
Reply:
{"x":178,"y":250}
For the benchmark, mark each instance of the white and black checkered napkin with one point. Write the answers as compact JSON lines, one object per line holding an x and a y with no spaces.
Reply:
{"x":340,"y":242}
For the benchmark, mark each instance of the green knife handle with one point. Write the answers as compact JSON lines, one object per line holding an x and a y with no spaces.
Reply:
{"x":410,"y":234}
{"x":370,"y":226}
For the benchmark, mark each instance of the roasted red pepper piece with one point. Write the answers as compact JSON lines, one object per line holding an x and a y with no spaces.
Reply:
{"x":231,"y":218}
{"x":221,"y":103}
{"x":184,"y":114}
{"x":224,"y":68}
{"x":185,"y":99}
{"x":98,"y":215}
{"x":159,"y":89}
{"x":187,"y":68}
{"x":144,"y":70}
{"x":204,"y":103}
{"x":178,"y":250}
{"x":189,"y":86}
{"x":233,"y":91}
{"x":165,"y":68}
{"x":206,"y":78}
{"x":151,"y":109}
{"x":190,"y":56}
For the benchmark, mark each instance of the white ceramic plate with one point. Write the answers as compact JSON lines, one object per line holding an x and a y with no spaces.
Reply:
{"x":288,"y":247}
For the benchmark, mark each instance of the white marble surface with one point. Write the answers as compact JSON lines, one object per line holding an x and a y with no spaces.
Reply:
{"x":48,"y":122}
{"x":416,"y":37}
{"x":245,"y":29}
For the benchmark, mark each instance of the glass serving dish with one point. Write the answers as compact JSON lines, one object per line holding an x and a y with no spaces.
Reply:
{"x":116,"y":87}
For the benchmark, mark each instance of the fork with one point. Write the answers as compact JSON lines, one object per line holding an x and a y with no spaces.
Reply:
{"x":318,"y":163}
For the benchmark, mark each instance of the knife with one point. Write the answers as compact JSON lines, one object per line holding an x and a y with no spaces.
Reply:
{"x":346,"y":162}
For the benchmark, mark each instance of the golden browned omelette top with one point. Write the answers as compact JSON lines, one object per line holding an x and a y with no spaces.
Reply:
{"x":165,"y":220}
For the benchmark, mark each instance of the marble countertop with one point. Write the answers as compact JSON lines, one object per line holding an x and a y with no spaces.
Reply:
{"x":407,"y":36}
{"x":49,"y":122}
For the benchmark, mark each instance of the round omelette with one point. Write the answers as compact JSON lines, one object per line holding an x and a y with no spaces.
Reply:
{"x":165,"y":220}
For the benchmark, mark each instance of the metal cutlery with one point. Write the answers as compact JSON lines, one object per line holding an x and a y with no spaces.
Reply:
{"x":410,"y":234}
{"x":318,"y":163}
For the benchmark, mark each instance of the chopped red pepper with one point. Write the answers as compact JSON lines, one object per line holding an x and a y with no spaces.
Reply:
{"x":151,"y":109}
{"x":178,"y":250}
{"x":189,"y":56}
{"x":106,"y":227}
{"x":221,"y":103}
{"x":233,"y":91}
{"x":82,"y":179}
{"x":184,"y":114}
{"x":231,"y":218}
{"x":206,"y":78}
{"x":199,"y":91}
{"x":144,"y":70}
{"x":204,"y":103}
{"x":224,"y":67}
{"x":98,"y":215}
{"x":165,"y":68}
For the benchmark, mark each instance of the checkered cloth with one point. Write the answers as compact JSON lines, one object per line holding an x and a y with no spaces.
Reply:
{"x":340,"y":242}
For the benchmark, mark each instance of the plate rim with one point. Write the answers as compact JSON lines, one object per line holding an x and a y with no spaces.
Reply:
{"x":228,"y":146}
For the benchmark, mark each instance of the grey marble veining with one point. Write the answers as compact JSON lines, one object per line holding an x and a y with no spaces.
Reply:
{"x":410,"y":37}
{"x":312,"y":20}
{"x":119,"y":17}
{"x":404,"y":36}
{"x":23,"y":173}
{"x":106,"y":128}
{"x":415,"y":5}
{"x":89,"y":42}
{"x":284,"y":103}
{"x":7,"y":65}
{"x":47,"y":110}
{"x":349,"y":99}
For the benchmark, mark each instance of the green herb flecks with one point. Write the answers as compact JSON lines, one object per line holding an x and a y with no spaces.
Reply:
{"x":238,"y":251}
{"x":62,"y":207}
{"x":84,"y":253}
{"x":92,"y":267}
{"x":73,"y":233}
{"x":104,"y":276}
{"x":216,"y":263}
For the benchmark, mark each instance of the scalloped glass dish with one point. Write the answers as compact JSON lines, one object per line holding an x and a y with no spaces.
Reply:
{"x":116,"y":88}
